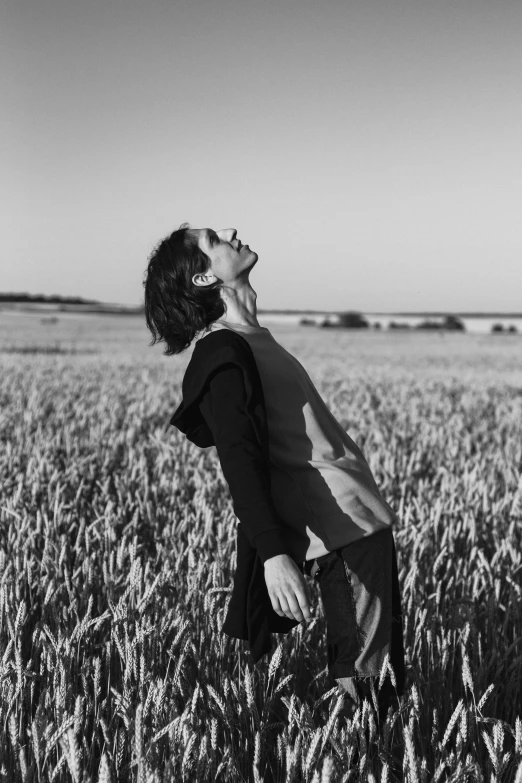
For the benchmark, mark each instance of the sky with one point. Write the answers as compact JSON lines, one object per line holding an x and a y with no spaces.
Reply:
{"x":368,"y":151}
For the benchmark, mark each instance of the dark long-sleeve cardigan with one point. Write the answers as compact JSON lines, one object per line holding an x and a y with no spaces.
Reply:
{"x":223,"y":405}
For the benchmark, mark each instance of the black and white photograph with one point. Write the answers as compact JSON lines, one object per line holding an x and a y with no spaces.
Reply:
{"x":261,"y":391}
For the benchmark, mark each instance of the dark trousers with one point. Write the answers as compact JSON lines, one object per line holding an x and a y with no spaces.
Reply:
{"x":360,"y":592}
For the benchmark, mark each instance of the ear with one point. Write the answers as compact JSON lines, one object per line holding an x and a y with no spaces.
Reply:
{"x":202,"y":279}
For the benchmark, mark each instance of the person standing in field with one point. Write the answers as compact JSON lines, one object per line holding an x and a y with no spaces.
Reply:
{"x":305,"y":497}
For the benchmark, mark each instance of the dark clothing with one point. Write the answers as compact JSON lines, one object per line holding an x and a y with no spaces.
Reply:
{"x":224,"y":408}
{"x":224,"y":404}
{"x":223,"y":361}
{"x":360,"y":592}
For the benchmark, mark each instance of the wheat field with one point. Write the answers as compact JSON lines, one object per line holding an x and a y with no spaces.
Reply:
{"x":117,"y":558}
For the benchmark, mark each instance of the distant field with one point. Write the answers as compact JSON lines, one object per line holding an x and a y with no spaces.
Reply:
{"x":117,"y":556}
{"x":124,"y":337}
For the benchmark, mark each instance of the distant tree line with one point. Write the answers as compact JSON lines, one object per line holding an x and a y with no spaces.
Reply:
{"x":46,"y":299}
{"x":355,"y":320}
{"x":450,"y":322}
{"x":498,"y":328}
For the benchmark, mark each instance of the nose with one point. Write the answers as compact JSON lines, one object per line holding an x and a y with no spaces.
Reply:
{"x":230,"y":233}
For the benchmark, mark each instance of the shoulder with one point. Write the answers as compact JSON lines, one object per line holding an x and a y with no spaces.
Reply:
{"x":220,"y":337}
{"x":220,"y":347}
{"x":217,"y":349}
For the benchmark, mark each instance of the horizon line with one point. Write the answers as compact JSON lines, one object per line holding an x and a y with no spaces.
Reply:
{"x":19,"y":297}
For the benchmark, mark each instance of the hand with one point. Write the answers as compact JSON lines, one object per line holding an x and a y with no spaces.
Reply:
{"x":287,"y":588}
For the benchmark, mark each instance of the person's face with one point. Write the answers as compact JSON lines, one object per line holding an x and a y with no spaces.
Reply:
{"x":228,"y":256}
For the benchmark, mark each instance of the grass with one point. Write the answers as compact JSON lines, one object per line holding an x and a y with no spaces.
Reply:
{"x":117,"y":558}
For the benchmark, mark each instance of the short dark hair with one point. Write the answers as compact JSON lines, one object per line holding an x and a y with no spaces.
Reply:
{"x":176,"y":309}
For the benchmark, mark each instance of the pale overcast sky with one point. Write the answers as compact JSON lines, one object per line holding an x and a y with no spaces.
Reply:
{"x":368,"y":151}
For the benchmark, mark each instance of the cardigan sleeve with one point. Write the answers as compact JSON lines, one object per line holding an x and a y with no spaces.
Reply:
{"x":223,"y":406}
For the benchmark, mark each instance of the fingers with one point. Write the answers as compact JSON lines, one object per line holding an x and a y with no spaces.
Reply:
{"x":288,"y":590}
{"x":308,"y":593}
{"x":295,"y":606}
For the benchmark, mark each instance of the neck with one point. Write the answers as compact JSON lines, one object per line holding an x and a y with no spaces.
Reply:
{"x":241,"y":305}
